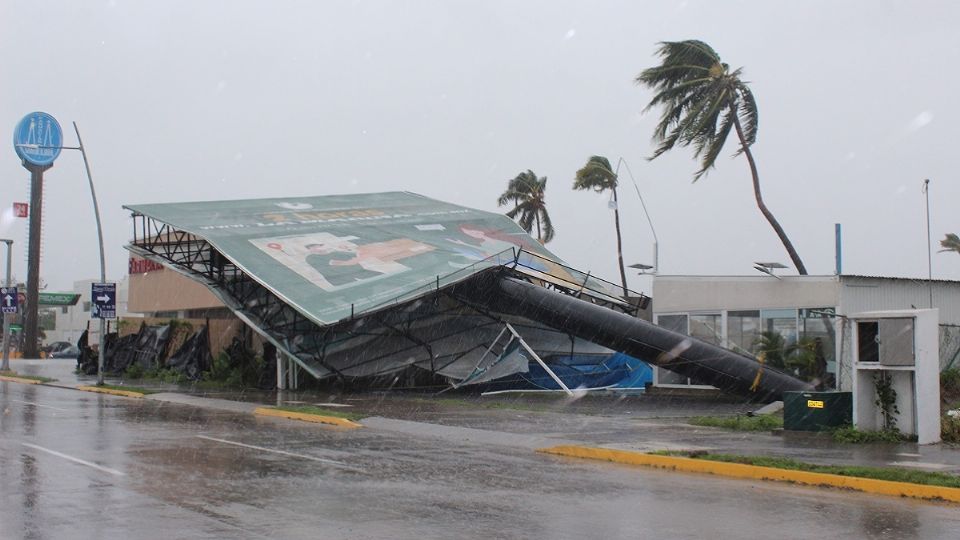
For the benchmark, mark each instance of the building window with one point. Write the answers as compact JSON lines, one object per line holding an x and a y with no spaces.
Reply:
{"x":743,"y":330}
{"x":86,"y":307}
{"x":707,"y":328}
{"x":782,"y":322}
{"x":65,"y":310}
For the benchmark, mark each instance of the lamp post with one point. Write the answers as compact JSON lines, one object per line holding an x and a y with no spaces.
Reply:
{"x":6,"y":319}
{"x":656,"y":250}
{"x":96,"y":211}
{"x":926,"y":193}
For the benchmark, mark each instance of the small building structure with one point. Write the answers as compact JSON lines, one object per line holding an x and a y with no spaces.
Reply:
{"x":786,"y":314}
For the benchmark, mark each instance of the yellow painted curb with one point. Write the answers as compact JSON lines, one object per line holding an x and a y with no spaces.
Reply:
{"x":739,"y":470}
{"x":111,"y":391}
{"x":334,"y":420}
{"x":19,"y":380}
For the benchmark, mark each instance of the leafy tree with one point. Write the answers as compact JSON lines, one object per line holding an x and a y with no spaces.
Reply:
{"x":798,"y":358}
{"x":599,"y":176}
{"x":526,"y":192}
{"x":703,"y":101}
{"x":773,"y":348}
{"x":951,"y":242}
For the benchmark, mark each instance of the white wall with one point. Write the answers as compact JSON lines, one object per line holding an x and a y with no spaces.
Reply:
{"x":714,"y":293}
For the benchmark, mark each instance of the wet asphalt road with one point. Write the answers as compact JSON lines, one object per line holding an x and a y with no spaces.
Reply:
{"x":80,"y":465}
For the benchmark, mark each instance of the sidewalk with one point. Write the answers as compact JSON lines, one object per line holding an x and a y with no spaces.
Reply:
{"x":636,"y":422}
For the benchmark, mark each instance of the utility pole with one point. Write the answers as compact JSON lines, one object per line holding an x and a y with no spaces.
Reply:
{"x":926,"y":192}
{"x":6,"y":316}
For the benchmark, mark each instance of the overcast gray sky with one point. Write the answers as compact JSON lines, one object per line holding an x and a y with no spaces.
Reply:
{"x":205,"y":100}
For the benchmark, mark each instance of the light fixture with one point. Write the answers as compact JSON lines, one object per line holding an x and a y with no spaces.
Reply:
{"x":768,"y":267}
{"x":643,"y":268}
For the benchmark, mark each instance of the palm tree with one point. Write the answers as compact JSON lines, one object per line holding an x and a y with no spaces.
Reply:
{"x":599,"y":176}
{"x":526,"y":192}
{"x":951,"y":242}
{"x":703,"y":101}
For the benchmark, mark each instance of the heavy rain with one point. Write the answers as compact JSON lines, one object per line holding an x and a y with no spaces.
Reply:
{"x":479,"y":270}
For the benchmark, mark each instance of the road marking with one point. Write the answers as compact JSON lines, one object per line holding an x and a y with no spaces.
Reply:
{"x":39,"y":405}
{"x":281,"y":452}
{"x":75,"y":460}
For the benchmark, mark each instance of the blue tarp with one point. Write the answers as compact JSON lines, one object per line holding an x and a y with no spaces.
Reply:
{"x":581,"y":371}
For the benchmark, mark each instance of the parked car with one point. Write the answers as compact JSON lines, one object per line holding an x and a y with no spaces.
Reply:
{"x":71,"y":351}
{"x":56,"y":346}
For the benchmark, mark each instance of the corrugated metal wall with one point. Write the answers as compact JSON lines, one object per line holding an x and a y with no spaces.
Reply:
{"x":859,"y":294}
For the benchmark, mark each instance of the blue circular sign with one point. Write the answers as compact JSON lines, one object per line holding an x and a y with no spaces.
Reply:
{"x":38,"y":138}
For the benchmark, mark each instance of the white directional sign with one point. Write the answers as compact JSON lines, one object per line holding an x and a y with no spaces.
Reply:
{"x":104,"y":305}
{"x":8,"y":299}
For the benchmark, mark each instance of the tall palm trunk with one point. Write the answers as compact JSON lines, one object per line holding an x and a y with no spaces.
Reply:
{"x":539,"y":235}
{"x":616,"y":221}
{"x":801,"y":269}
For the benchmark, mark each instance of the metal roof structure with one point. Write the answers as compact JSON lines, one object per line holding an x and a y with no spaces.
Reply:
{"x":309,"y":272}
{"x":367,"y":285}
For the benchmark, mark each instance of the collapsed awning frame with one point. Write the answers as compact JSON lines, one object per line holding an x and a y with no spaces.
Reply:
{"x":307,"y":341}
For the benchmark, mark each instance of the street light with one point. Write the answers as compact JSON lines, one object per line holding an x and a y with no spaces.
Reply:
{"x":6,"y":319}
{"x":96,"y":211}
{"x":656,"y":250}
{"x":643,"y":268}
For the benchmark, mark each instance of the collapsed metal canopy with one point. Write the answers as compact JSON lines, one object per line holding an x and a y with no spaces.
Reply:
{"x":361,"y":285}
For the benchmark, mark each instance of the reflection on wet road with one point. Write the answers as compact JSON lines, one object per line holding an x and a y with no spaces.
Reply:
{"x":79,"y":465}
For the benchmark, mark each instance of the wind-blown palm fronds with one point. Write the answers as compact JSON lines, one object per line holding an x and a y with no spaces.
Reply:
{"x":703,"y":100}
{"x":599,"y":176}
{"x":527,"y":192}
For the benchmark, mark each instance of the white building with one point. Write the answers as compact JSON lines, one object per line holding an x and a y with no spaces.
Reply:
{"x":71,"y":321}
{"x":734,"y":311}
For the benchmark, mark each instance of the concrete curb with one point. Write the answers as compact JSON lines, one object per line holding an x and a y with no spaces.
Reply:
{"x":333,"y":420}
{"x":739,"y":470}
{"x":111,"y":391}
{"x":21,"y":380}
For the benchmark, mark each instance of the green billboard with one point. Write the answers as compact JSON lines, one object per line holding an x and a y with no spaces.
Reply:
{"x":331,"y":257}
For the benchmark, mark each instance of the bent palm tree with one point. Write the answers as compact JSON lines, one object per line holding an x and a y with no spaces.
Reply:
{"x":951,"y":242}
{"x":703,"y":101}
{"x":599,"y":176}
{"x":526,"y":192}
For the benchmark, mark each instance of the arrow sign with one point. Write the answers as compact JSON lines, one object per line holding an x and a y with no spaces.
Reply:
{"x":10,"y":300}
{"x":104,"y":300}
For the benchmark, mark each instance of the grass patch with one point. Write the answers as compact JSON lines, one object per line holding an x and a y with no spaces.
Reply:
{"x":485,"y":403}
{"x":892,"y":474}
{"x":850,"y":434}
{"x":762,"y":422}
{"x":309,"y":409}
{"x":30,"y":377}
{"x":126,"y":388}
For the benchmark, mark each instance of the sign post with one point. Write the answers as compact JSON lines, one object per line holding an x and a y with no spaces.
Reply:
{"x":6,"y":320}
{"x":103,"y":306}
{"x":103,"y":300}
{"x":37,"y":139}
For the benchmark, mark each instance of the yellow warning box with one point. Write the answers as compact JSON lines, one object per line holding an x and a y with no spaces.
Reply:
{"x":814,"y":404}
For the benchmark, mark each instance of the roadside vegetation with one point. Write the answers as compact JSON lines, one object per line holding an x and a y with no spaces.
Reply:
{"x":878,"y":473}
{"x":950,"y":399}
